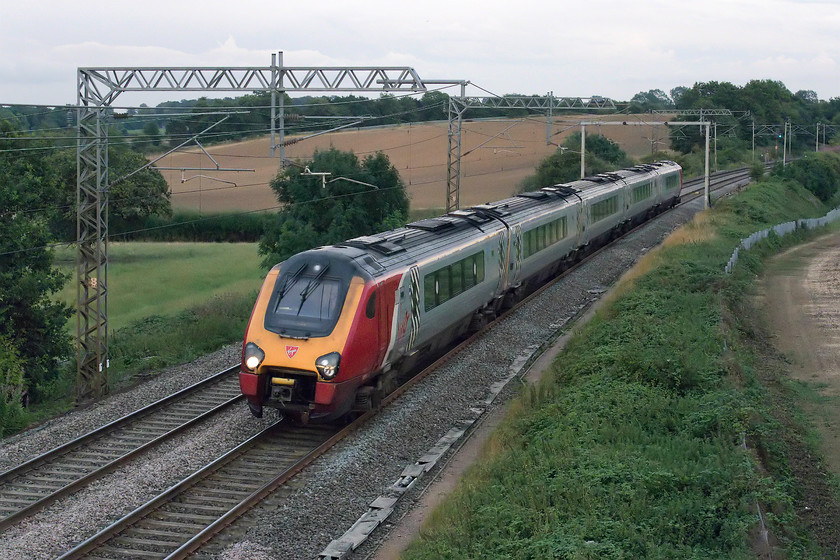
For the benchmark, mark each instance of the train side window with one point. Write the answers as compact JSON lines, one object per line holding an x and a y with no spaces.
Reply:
{"x":370,"y":309}
{"x":429,"y":289}
{"x":469,"y":272}
{"x":479,"y":262}
{"x":457,"y":278}
{"x":444,"y":293}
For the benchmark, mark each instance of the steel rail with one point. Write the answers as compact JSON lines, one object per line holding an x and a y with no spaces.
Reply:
{"x":99,"y":435}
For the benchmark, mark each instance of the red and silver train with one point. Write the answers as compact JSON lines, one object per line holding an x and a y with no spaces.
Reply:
{"x":333,"y":328}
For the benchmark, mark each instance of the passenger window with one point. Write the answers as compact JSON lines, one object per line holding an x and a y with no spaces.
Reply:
{"x":457,"y":278}
{"x":370,"y":310}
{"x":430,"y":289}
{"x":443,"y":285}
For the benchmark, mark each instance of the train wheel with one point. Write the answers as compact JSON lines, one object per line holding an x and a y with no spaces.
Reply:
{"x":481,"y":319}
{"x":512,"y":297}
{"x":387,"y":383}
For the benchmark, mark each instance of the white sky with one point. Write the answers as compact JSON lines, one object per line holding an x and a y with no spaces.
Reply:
{"x":598,"y":47}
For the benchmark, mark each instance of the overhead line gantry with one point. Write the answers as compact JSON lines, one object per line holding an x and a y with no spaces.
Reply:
{"x":459,"y":105}
{"x":98,"y":88}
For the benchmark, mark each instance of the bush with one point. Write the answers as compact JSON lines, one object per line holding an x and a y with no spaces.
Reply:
{"x":819,"y":173}
{"x":12,"y":415}
{"x":757,"y":171}
{"x":195,"y":227}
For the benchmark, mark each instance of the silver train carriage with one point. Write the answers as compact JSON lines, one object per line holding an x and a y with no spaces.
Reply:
{"x":435,"y":279}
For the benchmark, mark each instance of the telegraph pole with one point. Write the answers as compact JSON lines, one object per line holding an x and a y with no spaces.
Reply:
{"x":784,"y":146}
{"x":582,"y":150}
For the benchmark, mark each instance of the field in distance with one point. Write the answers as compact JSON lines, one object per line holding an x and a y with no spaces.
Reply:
{"x":496,"y":156}
{"x":166,"y":278}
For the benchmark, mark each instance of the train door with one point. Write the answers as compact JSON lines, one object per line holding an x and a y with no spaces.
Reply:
{"x":502,"y":251}
{"x":581,"y":223}
{"x":383,"y":315}
{"x":406,"y":318}
{"x":515,"y":259}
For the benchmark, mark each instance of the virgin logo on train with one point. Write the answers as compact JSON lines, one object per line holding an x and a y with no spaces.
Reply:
{"x":292,"y":350}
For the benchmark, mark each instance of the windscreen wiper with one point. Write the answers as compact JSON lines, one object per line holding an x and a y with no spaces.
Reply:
{"x":307,"y":291}
{"x":288,"y":283}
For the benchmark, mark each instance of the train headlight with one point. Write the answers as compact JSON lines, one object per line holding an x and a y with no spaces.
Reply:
{"x":253,"y":356}
{"x":327,"y":365}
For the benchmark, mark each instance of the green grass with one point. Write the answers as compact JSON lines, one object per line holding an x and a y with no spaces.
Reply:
{"x":165,"y":279}
{"x":168,"y":303}
{"x":630,"y":448}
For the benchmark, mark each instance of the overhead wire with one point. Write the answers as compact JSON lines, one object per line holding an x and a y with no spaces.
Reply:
{"x":172,"y":137}
{"x":66,"y":207}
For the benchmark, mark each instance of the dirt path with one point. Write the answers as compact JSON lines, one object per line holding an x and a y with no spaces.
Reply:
{"x":800,"y":295}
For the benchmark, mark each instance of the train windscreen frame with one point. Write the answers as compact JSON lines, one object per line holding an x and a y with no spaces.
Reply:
{"x":306,"y":301}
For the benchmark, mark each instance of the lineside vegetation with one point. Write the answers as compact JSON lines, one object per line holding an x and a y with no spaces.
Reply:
{"x":654,"y":434}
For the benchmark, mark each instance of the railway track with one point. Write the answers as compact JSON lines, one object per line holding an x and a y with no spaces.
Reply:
{"x":33,"y":485}
{"x":180,"y":520}
{"x":717,"y":181}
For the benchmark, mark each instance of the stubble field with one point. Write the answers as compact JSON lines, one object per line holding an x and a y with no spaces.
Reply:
{"x":497,"y":156}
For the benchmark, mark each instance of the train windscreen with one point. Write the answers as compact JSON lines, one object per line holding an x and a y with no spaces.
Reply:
{"x":305,"y":303}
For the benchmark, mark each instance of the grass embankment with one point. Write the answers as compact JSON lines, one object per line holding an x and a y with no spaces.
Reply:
{"x":632,"y":444}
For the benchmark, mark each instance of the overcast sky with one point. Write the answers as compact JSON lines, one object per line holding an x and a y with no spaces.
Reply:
{"x":599,"y":47}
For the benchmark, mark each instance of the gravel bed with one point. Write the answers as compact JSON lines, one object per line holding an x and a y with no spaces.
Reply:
{"x":323,"y":502}
{"x":62,"y":525}
{"x":337,"y":489}
{"x":27,"y":445}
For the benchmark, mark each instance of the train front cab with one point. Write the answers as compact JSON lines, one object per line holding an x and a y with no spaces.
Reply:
{"x":318,"y":332}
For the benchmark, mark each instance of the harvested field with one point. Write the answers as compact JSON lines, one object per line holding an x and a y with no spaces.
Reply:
{"x":496,"y":156}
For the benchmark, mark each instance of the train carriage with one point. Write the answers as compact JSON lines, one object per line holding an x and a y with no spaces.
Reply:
{"x":334,"y":328}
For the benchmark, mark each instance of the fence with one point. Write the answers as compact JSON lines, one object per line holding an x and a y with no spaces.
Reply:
{"x":780,"y":230}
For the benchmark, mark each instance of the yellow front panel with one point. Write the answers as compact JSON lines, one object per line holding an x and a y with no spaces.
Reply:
{"x":294,"y":353}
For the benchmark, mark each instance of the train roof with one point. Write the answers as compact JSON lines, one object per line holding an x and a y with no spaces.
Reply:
{"x":431,"y":236}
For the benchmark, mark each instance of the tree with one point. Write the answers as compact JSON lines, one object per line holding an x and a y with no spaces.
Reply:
{"x":314,"y":214}
{"x":644,"y":102}
{"x":434,"y":106}
{"x":807,"y":96}
{"x":32,"y":325}
{"x":151,"y":132}
{"x":130,"y":201}
{"x":602,"y":154}
{"x":819,"y":173}
{"x":677,"y":94}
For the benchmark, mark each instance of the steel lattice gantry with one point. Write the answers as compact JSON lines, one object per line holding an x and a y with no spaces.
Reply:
{"x":458,"y":105}
{"x":97,"y":89}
